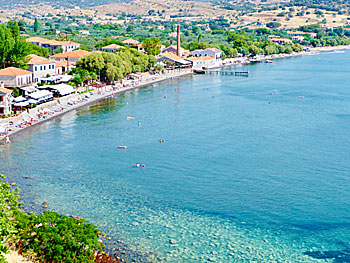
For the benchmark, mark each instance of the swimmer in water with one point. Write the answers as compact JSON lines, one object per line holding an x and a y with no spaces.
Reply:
{"x":139,"y":123}
{"x":8,"y":139}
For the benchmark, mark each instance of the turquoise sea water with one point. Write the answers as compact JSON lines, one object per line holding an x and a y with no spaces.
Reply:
{"x":243,"y":176}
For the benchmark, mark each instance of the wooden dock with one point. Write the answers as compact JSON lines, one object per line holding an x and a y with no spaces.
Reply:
{"x":228,"y":72}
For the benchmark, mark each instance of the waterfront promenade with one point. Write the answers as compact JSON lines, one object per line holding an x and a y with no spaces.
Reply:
{"x":50,"y":110}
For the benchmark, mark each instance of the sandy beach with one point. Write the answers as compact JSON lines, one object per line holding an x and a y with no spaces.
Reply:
{"x":60,"y":106}
{"x":65,"y":105}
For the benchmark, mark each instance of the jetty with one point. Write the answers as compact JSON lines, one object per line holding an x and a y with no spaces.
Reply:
{"x":223,"y":72}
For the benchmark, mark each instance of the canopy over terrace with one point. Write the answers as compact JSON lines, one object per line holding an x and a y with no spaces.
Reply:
{"x":97,"y":86}
{"x":60,"y":89}
{"x":41,"y":95}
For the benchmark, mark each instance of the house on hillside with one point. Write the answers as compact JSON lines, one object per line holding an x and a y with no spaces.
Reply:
{"x":72,"y":56}
{"x":111,"y":48}
{"x":64,"y":66}
{"x":300,"y":34}
{"x":15,"y":77}
{"x":6,"y":99}
{"x":41,"y":67}
{"x":281,"y":41}
{"x":134,"y":44}
{"x":298,"y":38}
{"x":66,"y":46}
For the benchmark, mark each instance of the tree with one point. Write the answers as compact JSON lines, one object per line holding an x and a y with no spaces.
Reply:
{"x":57,"y":50}
{"x":273,"y":24}
{"x":152,"y":46}
{"x":77,"y":80}
{"x":36,"y":25}
{"x":13,"y":49}
{"x":130,"y":28}
{"x":8,"y":202}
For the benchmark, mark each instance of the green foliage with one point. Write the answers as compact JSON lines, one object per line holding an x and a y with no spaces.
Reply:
{"x":114,"y":66}
{"x":152,"y":46}
{"x":8,"y":205}
{"x":57,"y":50}
{"x":36,"y":25}
{"x":15,"y":92}
{"x":273,"y":24}
{"x":13,"y":49}
{"x":57,"y":238}
{"x":40,"y":51}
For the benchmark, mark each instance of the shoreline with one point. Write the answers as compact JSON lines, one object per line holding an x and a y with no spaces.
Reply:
{"x":167,"y":76}
{"x":95,"y":98}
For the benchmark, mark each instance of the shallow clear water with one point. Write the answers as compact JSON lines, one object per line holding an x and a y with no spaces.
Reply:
{"x":243,"y":175}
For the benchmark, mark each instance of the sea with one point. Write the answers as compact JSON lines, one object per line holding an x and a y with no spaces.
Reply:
{"x":252,"y":169}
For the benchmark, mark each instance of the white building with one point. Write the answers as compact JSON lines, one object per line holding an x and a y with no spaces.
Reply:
{"x":209,"y":52}
{"x":41,"y":67}
{"x":15,"y":77}
{"x":6,"y":99}
{"x":66,"y":46}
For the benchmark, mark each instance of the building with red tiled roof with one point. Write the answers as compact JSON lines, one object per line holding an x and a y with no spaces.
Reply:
{"x":72,"y":56}
{"x":41,"y":67}
{"x":112,"y":48}
{"x":175,"y":59}
{"x":63,"y":66}
{"x":66,"y":46}
{"x":15,"y":77}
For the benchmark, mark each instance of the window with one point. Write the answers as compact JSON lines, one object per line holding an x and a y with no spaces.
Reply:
{"x":1,"y":98}
{"x":36,"y":68}
{"x":44,"y":67}
{"x":41,"y":67}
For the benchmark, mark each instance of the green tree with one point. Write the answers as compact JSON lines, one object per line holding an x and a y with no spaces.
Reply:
{"x":152,"y":46}
{"x":36,"y":25}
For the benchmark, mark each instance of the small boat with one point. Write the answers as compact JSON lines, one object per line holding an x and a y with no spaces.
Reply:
{"x":140,"y":165}
{"x":129,"y":118}
{"x":268,"y":61}
{"x":198,"y":71}
{"x":122,"y":147}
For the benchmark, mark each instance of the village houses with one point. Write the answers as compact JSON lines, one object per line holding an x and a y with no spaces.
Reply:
{"x":66,"y":46}
{"x":6,"y":99}
{"x":41,"y":67}
{"x":72,"y":56}
{"x":15,"y":77}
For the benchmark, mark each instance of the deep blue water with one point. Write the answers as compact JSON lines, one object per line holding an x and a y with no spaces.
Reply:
{"x":243,"y":175}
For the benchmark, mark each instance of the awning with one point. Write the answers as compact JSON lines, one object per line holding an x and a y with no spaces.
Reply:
{"x":64,"y":89}
{"x":20,"y":98}
{"x":32,"y":101}
{"x":41,"y":95}
{"x":21,"y":104}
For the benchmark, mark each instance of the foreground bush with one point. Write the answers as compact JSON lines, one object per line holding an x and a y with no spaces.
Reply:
{"x":48,"y":237}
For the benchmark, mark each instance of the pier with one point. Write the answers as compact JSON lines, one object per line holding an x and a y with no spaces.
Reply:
{"x":223,"y":72}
